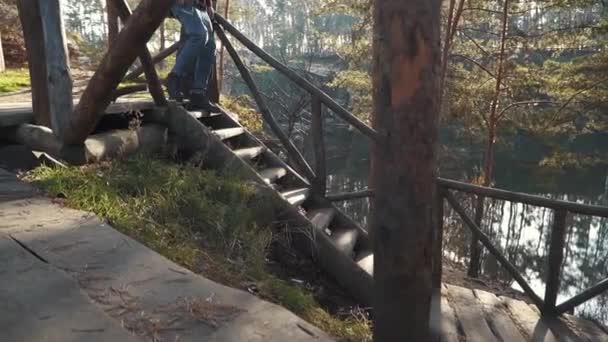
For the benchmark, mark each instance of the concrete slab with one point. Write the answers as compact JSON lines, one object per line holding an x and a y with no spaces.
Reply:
{"x":150,"y":294}
{"x":41,"y":303}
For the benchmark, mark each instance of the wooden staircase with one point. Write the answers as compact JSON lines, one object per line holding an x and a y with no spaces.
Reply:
{"x":318,"y":229}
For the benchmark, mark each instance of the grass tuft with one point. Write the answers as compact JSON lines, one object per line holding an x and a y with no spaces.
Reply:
{"x":13,"y":80}
{"x":207,"y":223}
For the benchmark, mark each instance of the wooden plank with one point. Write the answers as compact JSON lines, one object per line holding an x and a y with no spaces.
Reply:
{"x":273,"y":174}
{"x":555,"y":260}
{"x":470,"y":315}
{"x":228,"y":133}
{"x":42,"y":303}
{"x":587,"y":329}
{"x":582,"y":297}
{"x":444,"y":324}
{"x":347,"y":196}
{"x":58,"y":74}
{"x":250,"y":152}
{"x":498,"y":319}
{"x":535,"y":329}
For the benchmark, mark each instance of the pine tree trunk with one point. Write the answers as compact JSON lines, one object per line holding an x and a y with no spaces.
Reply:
{"x":406,"y":107}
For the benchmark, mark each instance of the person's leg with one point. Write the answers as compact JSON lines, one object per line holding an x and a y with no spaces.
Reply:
{"x":194,"y":39}
{"x":204,"y":66}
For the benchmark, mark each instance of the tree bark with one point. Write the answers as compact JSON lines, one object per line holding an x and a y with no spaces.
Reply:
{"x":130,"y":42}
{"x":406,"y":105}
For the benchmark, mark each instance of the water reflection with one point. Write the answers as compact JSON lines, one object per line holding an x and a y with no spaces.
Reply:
{"x":520,"y":231}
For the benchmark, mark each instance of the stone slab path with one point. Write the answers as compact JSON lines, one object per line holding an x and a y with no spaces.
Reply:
{"x":69,"y":276}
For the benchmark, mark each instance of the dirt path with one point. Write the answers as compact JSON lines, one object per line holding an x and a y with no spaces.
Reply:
{"x":80,"y":77}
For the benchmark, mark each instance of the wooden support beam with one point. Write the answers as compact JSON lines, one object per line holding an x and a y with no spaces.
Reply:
{"x":155,"y":60}
{"x":555,"y":260}
{"x":128,"y":90}
{"x":317,"y":127}
{"x":438,"y":240}
{"x":154,"y":85}
{"x":130,"y":42}
{"x":112,"y":23}
{"x":2,"y":63}
{"x":485,"y":240}
{"x":299,"y":80}
{"x":292,"y":151}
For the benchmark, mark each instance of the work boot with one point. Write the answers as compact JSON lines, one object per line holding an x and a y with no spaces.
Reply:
{"x":174,"y":86}
{"x":200,"y":101}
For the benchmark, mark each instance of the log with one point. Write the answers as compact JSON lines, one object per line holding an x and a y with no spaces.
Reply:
{"x":485,"y":240}
{"x":29,"y":14}
{"x":292,"y":151}
{"x":347,"y":196}
{"x":438,"y":240}
{"x":155,"y":60}
{"x":555,"y":260}
{"x":98,"y":147}
{"x":130,"y":42}
{"x":320,"y":181}
{"x":299,"y":80}
{"x":154,"y":85}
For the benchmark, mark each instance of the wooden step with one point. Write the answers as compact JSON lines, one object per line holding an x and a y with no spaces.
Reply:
{"x":296,"y":197}
{"x":345,"y":240}
{"x":365,"y":260}
{"x":321,"y":218}
{"x":250,"y":152}
{"x":203,"y":114}
{"x":228,"y":133}
{"x":273,"y":174}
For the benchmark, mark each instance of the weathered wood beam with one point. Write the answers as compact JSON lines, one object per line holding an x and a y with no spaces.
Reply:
{"x":154,"y":85}
{"x":58,"y":74}
{"x":98,"y":147}
{"x":299,"y":80}
{"x":485,"y":240}
{"x":555,"y":260}
{"x":584,"y":296}
{"x":155,"y":60}
{"x":347,"y":196}
{"x":113,"y":29}
{"x":29,"y":14}
{"x":319,"y":183}
{"x":2,"y":63}
{"x":572,"y":207}
{"x":292,"y":151}
{"x":129,"y":43}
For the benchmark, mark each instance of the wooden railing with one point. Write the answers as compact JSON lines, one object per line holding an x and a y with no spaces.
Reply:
{"x":318,"y":176}
{"x":555,"y":258}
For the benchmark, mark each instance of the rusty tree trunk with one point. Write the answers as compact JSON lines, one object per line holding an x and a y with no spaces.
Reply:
{"x":491,"y":122}
{"x":406,"y":93}
{"x":129,"y":43}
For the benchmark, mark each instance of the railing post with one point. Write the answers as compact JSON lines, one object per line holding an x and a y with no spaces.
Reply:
{"x":438,"y":239}
{"x":555,"y":260}
{"x":317,"y":127}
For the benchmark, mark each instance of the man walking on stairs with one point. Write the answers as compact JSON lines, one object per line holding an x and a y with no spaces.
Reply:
{"x":197,"y":52}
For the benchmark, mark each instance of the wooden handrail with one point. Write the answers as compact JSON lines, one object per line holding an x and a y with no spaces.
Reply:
{"x":299,"y":80}
{"x":485,"y":240}
{"x":317,"y":128}
{"x":572,"y":207}
{"x":350,"y":195}
{"x":292,"y":151}
{"x":555,"y":260}
{"x":159,"y":57}
{"x":582,"y":297}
